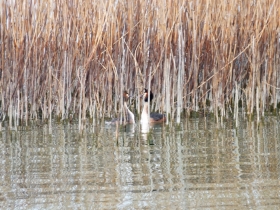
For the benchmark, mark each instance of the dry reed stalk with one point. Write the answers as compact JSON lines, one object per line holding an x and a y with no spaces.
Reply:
{"x":236,"y":112}
{"x":181,"y":44}
{"x":167,"y":89}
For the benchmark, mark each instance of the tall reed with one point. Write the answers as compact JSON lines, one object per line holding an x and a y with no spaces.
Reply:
{"x":74,"y":58}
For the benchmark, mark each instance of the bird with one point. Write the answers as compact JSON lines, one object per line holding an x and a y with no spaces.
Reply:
{"x":153,"y":117}
{"x":128,"y":116}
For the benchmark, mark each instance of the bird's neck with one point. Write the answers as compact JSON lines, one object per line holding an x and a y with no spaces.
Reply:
{"x":145,"y":113}
{"x":130,"y":115}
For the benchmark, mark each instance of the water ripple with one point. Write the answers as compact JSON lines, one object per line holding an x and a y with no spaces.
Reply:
{"x":197,"y":164}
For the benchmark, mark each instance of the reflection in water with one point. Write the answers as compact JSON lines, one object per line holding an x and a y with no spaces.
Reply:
{"x":197,"y":164}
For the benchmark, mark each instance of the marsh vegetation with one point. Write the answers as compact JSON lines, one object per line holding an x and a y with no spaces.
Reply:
{"x":74,"y":58}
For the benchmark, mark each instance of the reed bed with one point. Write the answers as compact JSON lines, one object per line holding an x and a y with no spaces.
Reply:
{"x":72,"y":59}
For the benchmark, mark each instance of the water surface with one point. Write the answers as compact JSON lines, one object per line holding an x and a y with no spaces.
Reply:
{"x":198,"y":164}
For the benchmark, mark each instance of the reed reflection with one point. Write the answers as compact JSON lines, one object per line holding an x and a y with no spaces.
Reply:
{"x":193,"y":161}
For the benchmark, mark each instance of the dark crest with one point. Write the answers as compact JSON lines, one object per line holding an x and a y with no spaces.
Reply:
{"x":146,"y":95}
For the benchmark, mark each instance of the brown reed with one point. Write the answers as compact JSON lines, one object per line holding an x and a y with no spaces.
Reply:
{"x":74,"y":58}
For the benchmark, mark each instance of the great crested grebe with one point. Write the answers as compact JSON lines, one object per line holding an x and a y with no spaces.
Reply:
{"x":153,"y":117}
{"x":128,"y":116}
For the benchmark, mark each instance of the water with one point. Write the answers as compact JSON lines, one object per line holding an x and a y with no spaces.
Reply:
{"x":197,"y":165}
